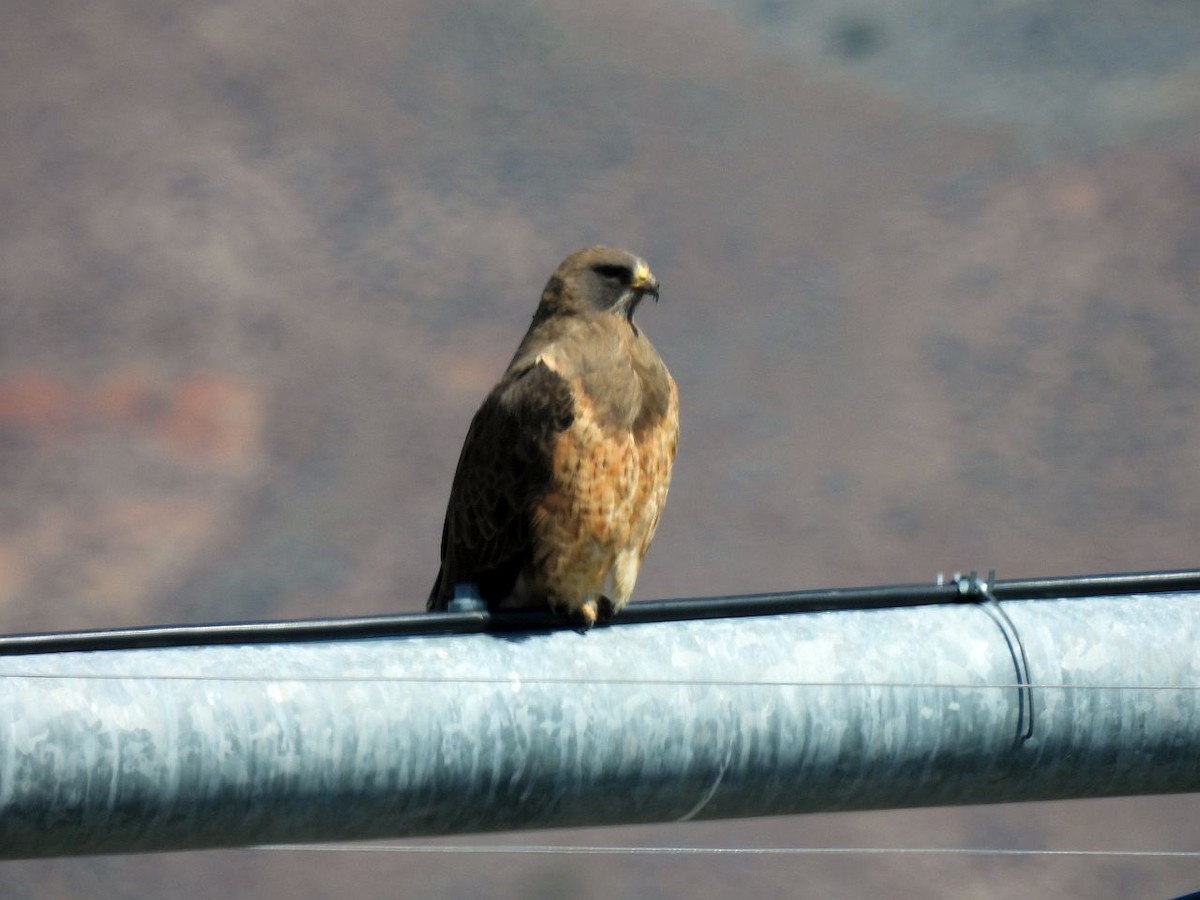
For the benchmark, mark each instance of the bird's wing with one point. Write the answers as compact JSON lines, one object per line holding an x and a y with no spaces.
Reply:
{"x":656,"y":455}
{"x":504,"y":467}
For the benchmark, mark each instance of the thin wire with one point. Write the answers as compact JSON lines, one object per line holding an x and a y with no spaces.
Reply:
{"x":1128,"y":585}
{"x":520,"y":680}
{"x":575,"y":850}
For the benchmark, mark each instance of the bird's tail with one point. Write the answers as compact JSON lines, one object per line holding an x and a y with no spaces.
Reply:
{"x":437,"y":600}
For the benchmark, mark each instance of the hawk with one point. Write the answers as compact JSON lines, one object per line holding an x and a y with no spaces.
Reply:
{"x":566,"y":465}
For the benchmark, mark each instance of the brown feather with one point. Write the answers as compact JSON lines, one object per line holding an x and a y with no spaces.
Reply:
{"x":565,"y":468}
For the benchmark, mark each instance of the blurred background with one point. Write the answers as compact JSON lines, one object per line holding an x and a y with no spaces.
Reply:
{"x":931,"y":294}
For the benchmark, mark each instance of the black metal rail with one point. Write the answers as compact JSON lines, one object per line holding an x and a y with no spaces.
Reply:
{"x":959,"y":589}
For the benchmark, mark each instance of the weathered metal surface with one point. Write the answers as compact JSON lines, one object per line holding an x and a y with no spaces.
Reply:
{"x":134,"y":750}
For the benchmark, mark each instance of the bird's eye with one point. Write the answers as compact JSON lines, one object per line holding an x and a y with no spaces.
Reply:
{"x":623,"y":274}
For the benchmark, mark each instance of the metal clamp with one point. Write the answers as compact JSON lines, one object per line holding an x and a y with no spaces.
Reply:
{"x":981,"y":592}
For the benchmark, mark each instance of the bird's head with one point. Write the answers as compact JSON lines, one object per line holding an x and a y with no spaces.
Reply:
{"x":599,"y":280}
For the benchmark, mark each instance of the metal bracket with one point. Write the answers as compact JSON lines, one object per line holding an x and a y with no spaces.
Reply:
{"x":981,"y":592}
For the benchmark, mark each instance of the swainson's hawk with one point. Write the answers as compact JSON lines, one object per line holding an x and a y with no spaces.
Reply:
{"x":566,"y":465}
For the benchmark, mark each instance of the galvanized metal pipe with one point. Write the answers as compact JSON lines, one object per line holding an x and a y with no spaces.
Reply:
{"x":189,"y":747}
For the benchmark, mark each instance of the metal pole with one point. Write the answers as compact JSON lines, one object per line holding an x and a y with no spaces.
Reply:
{"x":189,"y":747}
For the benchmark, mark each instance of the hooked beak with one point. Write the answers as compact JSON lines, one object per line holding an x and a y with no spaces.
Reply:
{"x":644,"y":282}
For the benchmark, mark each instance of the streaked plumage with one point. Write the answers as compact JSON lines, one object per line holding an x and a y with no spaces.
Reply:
{"x":566,"y":465}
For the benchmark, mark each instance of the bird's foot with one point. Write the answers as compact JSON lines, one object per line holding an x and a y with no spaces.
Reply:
{"x":594,"y":612}
{"x":583,"y":617}
{"x":605,"y":610}
{"x":599,"y":611}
